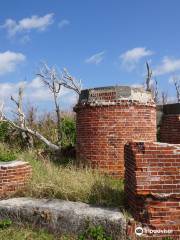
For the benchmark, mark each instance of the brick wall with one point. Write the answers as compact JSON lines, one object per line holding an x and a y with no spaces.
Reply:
{"x":170,"y":128}
{"x":13,"y":176}
{"x":152,"y":184}
{"x":169,"y":123}
{"x":105,"y":124}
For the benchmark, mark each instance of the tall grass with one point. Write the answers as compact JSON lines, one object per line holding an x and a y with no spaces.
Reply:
{"x":52,"y":180}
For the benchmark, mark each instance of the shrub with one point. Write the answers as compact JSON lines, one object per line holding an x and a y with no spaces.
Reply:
{"x":6,"y":154}
{"x":4,"y":131}
{"x":68,"y":129}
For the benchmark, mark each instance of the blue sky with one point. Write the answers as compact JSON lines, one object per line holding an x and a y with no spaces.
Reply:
{"x":101,"y":42}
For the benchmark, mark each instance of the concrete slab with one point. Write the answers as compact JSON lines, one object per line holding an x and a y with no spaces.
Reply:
{"x":60,"y":216}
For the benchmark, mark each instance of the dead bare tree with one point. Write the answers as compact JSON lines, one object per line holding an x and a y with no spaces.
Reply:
{"x":27,"y":138}
{"x":164,"y":97}
{"x":148,"y":77}
{"x":50,"y":78}
{"x":152,"y":84}
{"x":21,"y":117}
{"x":55,"y":81}
{"x":22,"y":126}
{"x":176,"y":82}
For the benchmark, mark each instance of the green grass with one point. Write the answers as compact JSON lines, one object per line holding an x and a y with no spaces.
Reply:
{"x":25,"y":233}
{"x":66,"y":181}
{"x":52,"y":180}
{"x":6,"y":155}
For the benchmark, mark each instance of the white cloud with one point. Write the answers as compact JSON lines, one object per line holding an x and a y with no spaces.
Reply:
{"x":27,"y":24}
{"x":168,"y":65}
{"x":96,"y":58}
{"x":63,"y":23}
{"x":131,"y":57}
{"x":9,"y":61}
{"x":36,"y":83}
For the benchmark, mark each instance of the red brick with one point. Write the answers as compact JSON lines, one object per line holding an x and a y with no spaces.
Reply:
{"x":13,"y":178}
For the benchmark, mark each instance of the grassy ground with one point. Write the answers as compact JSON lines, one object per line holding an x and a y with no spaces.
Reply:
{"x":18,"y":233}
{"x":52,"y":180}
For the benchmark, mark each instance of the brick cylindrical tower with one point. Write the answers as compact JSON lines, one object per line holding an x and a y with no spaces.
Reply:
{"x":109,"y":117}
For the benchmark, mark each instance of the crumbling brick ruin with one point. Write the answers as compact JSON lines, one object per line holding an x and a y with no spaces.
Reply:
{"x":109,"y":117}
{"x":152,"y":184}
{"x":13,"y":176}
{"x":116,"y":126}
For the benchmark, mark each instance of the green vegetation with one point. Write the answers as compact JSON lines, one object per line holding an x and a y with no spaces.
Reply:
{"x":26,"y":233}
{"x":5,"y":223}
{"x":6,"y":154}
{"x":10,"y":231}
{"x":4,"y":131}
{"x":68,"y":129}
{"x":46,"y":125}
{"x":53,"y":180}
{"x":94,"y":233}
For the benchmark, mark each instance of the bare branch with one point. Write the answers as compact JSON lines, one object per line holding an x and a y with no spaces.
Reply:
{"x":176,"y":82}
{"x":54,"y":81}
{"x":148,"y":77}
{"x":50,"y":78}
{"x":164,"y":97}
{"x":70,"y":82}
{"x":155,"y":91}
{"x":12,"y":99}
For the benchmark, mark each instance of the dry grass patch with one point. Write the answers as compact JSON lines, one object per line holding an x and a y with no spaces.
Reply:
{"x":52,"y":180}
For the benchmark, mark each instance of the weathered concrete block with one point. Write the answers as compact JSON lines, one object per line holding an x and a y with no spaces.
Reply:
{"x":60,"y":216}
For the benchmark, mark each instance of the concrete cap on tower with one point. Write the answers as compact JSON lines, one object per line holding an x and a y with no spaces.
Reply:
{"x":102,"y":95}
